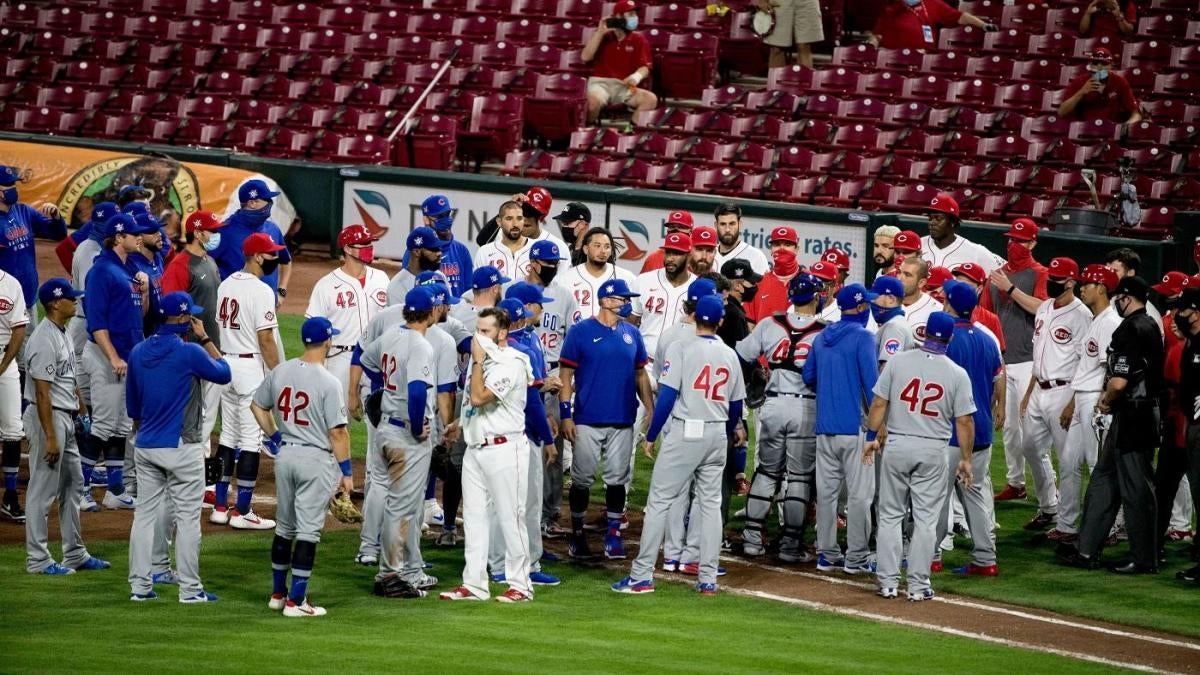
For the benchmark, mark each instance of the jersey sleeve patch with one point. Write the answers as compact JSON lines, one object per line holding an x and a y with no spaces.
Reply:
{"x":891,"y":346}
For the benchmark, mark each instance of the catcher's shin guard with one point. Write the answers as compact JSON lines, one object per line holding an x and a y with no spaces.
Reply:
{"x":758,"y":504}
{"x":798,"y":494}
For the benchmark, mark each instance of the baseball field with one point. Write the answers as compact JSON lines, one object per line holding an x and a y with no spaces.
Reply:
{"x":1035,"y":617}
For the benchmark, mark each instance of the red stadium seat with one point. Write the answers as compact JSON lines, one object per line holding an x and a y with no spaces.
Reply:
{"x":911,"y":197}
{"x":195,"y":132}
{"x":869,"y":110}
{"x":595,"y":140}
{"x":1082,"y":50}
{"x":708,"y":123}
{"x":364,"y":149}
{"x":975,"y":93}
{"x":777,"y":103}
{"x":1180,"y":137}
{"x":1097,"y":131}
{"x":475,"y":28}
{"x":363,"y":120}
{"x":430,"y":144}
{"x":153,"y":130}
{"x":795,"y":159}
{"x":858,"y":57}
{"x":744,"y":154}
{"x":1166,"y":26}
{"x":206,"y":108}
{"x":1145,"y":53}
{"x":864,"y":193}
{"x":543,"y":58}
{"x":966,"y":39}
{"x":688,"y":66}
{"x":1185,"y":57}
{"x":694,"y":150}
{"x":1029,"y":17}
{"x":52,"y":44}
{"x":661,"y":119}
{"x":327,"y":41}
{"x":348,"y":18}
{"x":771,"y":185}
{"x":858,"y":137}
{"x":576,"y":166}
{"x":493,"y":127}
{"x":1064,"y":19}
{"x":905,"y":114}
{"x":36,"y":120}
{"x":1043,"y":72}
{"x":990,"y":67}
{"x":792,"y":79}
{"x":725,"y":181}
{"x":535,"y":164}
{"x":741,"y":49}
{"x":236,"y":36}
{"x":558,"y":106}
{"x":645,"y":144}
{"x":1007,"y":41}
{"x":494,"y":8}
{"x":1177,"y":85}
{"x":1011,"y":149}
{"x":496,"y":53}
{"x":193,"y":31}
{"x":672,"y":15}
{"x":837,"y":80}
{"x":435,"y":25}
{"x":564,"y":33}
{"x":390,"y":22}
{"x":145,"y":27}
{"x":926,"y":88}
{"x":764,"y":128}
{"x":899,"y":60}
{"x":1023,"y":97}
{"x":946,"y":64}
{"x":66,"y":97}
{"x":1046,"y":127}
{"x":520,"y":31}
{"x":907,"y":141}
{"x":723,"y":98}
{"x":678,"y":176}
{"x":884,"y":85}
{"x":1167,"y":111}
{"x":1053,"y":46}
{"x":301,"y":15}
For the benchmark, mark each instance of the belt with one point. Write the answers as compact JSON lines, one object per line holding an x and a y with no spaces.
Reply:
{"x":240,"y":356}
{"x":302,"y":445}
{"x":928,"y":438}
{"x":68,"y":411}
{"x":494,"y":440}
{"x":397,"y":422}
{"x":1052,"y":384}
{"x":338,"y":349}
{"x":775,"y":394}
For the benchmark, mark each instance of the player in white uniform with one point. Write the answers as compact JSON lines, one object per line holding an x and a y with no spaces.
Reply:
{"x":944,"y":247}
{"x":585,"y":279}
{"x":728,"y":220}
{"x":14,"y":318}
{"x":918,"y":305}
{"x":663,"y":291}
{"x":248,"y":326}
{"x":535,"y":206}
{"x":509,"y":252}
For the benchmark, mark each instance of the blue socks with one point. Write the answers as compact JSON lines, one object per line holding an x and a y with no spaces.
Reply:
{"x":431,"y":487}
{"x":303,"y":555}
{"x":739,"y":459}
{"x":10,"y":480}
{"x":221,"y":496}
{"x":243,"y":498}
{"x":11,"y":460}
{"x":114,"y":461}
{"x":281,"y":561}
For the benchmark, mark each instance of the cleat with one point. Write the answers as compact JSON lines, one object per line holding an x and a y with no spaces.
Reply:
{"x":93,"y":564}
{"x":277,"y":601}
{"x":826,"y":565}
{"x":549,"y":557}
{"x":88,"y":503}
{"x":670,"y":565}
{"x":693,"y":569}
{"x":886,"y":592}
{"x":143,"y":597}
{"x":12,"y":508}
{"x":1041,"y":521}
{"x":447,"y":539}
{"x":1058,"y":536}
{"x":1132,"y":568}
{"x":867,"y":567}
{"x":302,"y":610}
{"x":460,"y":593}
{"x":1192,"y":575}
{"x":367,"y":559}
{"x":978,"y":570}
{"x":631,"y":585}
{"x":706,"y":589}
{"x":56,"y":570}
{"x":426,"y":565}
{"x":434,"y":514}
{"x":123,"y":501}
{"x":426,"y":582}
{"x":614,"y":548}
{"x":922,"y":596}
{"x":947,"y":542}
{"x":577,"y":549}
{"x":1011,"y":493}
{"x":513,"y":595}
{"x":752,"y":550}
{"x":249,"y":521}
{"x":219,"y":516}
{"x":540,"y":578}
{"x":726,"y":545}
{"x":802,"y":556}
{"x":210,"y":496}
{"x":554,"y":531}
{"x":166,"y":578}
{"x":1179,"y":535}
{"x":741,"y":486}
{"x":201,"y":597}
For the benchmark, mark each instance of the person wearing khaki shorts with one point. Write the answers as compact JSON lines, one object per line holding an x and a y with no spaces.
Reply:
{"x":621,"y":60}
{"x":797,"y":22}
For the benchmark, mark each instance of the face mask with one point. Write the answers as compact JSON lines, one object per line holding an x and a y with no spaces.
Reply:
{"x":861,"y":318}
{"x":1100,"y":75}
{"x":1120,"y":308}
{"x":428,"y":265}
{"x":1019,"y":257}
{"x":366,"y":255}
{"x":625,"y":310}
{"x":269,"y":266}
{"x":174,"y":328}
{"x":631,"y":23}
{"x":884,"y":314}
{"x":748,"y":293}
{"x":785,"y":262}
{"x":256,"y":216}
{"x":568,"y":234}
{"x":547,"y":274}
{"x":1055,"y":288}
{"x":214,"y":240}
{"x":10,"y":196}
{"x":912,"y":3}
{"x":1182,"y":324}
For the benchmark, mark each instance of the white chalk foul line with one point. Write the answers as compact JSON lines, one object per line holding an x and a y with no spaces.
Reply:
{"x":847,"y":611}
{"x":981,"y":606}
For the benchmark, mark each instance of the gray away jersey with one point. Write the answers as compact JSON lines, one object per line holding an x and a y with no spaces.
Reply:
{"x":707,"y":375}
{"x":925,"y":393}
{"x":893,"y":337}
{"x":401,"y":355}
{"x":557,"y":317}
{"x":50,"y":357}
{"x":772,"y":341}
{"x":308,"y":399}
{"x":679,"y":333}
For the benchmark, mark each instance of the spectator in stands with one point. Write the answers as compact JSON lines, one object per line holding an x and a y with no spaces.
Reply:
{"x":1107,"y":18}
{"x":573,"y":222}
{"x":1100,"y":94}
{"x":885,"y":253}
{"x":797,"y":22}
{"x":621,"y":61}
{"x":914,"y":24}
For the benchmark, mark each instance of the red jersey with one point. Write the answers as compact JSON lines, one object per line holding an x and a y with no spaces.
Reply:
{"x":1115,"y":103}
{"x":1105,"y":24}
{"x":620,"y":58}
{"x":901,"y":26}
{"x":772,"y":297}
{"x":988,"y":319}
{"x":1172,"y":372}
{"x":654,"y":261}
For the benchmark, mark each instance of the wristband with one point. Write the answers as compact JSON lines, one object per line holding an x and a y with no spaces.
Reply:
{"x":277,"y":437}
{"x":206,"y":341}
{"x":636,"y":77}
{"x":1012,"y":289}
{"x":872,"y":435}
{"x":344,"y":465}
{"x":564,"y":410}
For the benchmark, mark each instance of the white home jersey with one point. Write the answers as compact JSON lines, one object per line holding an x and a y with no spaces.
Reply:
{"x":564,"y":251}
{"x":245,"y":305}
{"x":660,"y":305}
{"x":917,"y":315}
{"x":13,"y":312}
{"x":1093,"y":351}
{"x":1057,"y":333}
{"x":961,"y":251}
{"x":348,"y":303}
{"x":584,"y":286}
{"x":512,"y":264}
{"x":754,"y":256}
{"x":81,"y":264}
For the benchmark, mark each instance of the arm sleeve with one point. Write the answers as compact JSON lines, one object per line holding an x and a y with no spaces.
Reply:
{"x":535,"y":417}
{"x":176,"y":276}
{"x":95,"y":301}
{"x":570,"y":351}
{"x":417,"y":400}
{"x":65,"y":250}
{"x":735,"y":416}
{"x":133,"y":390}
{"x":47,"y":228}
{"x":486,"y":234}
{"x":264,"y":396}
{"x":662,"y":410}
{"x":206,"y":367}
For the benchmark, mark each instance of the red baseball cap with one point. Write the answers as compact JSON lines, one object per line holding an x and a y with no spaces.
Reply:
{"x":259,"y":242}
{"x":1172,"y":284}
{"x":943,"y":203}
{"x":1192,"y":282}
{"x":1022,"y":229}
{"x":682,"y":219}
{"x":839,"y":258}
{"x":824,"y":271}
{"x":938,"y":276}
{"x":971,"y":271}
{"x":202,"y":220}
{"x":784,"y":233}
{"x":1098,"y":54}
{"x":906,"y":241}
{"x":677,"y":241}
{"x":1099,"y":274}
{"x":624,"y":7}
{"x":705,"y":235}
{"x":1063,"y":268}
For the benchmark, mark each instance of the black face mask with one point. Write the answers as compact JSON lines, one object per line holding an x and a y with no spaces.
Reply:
{"x":568,"y":234}
{"x":269,"y":265}
{"x":748,"y":292}
{"x":547,"y":274}
{"x":1121,"y":309}
{"x":428,"y":265}
{"x":1055,"y":288}
{"x":1184,"y":326}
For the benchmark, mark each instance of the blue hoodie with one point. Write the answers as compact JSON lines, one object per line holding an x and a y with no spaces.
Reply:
{"x":841,"y":369}
{"x":160,"y":389}
{"x":979,"y":355}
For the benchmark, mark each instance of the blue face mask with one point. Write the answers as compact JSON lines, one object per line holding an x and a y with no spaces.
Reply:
{"x":10,"y":196}
{"x":631,"y":23}
{"x":625,"y":310}
{"x":860,"y":318}
{"x":256,"y":216}
{"x":912,"y":3}
{"x":884,"y":314}
{"x":1101,"y":75}
{"x":214,"y":240}
{"x":174,"y":328}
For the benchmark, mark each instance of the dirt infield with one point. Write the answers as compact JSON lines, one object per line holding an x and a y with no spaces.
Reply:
{"x":1010,"y":625}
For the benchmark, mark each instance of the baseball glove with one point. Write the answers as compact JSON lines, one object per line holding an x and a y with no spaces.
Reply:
{"x":392,"y":586}
{"x":757,"y":378}
{"x":439,"y":465}
{"x":344,"y":510}
{"x":374,"y":407}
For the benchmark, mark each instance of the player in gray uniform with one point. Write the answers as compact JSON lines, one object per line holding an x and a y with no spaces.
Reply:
{"x":54,"y":469}
{"x":404,"y":360}
{"x":312,"y":445}
{"x":893,"y":334}
{"x":787,"y":445}
{"x":81,"y":264}
{"x":920,"y":395}
{"x":700,"y":400}
{"x":425,"y":255}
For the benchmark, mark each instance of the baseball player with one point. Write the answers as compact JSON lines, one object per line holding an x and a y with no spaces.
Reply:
{"x":702,"y":259}
{"x":535,"y":206}
{"x":918,"y":304}
{"x":404,"y":360}
{"x":313,"y":445}
{"x":828,"y":275}
{"x":884,"y":248}
{"x":772,"y":295}
{"x":54,"y":471}
{"x":602,"y":366}
{"x":457,"y":264}
{"x":19,"y":224}
{"x":165,"y":400}
{"x":676,"y":221}
{"x":921,"y":398}
{"x":508,"y":253}
{"x":727,"y":218}
{"x":14,"y":318}
{"x":893,"y":333}
{"x":841,"y":370}
{"x":428,"y":248}
{"x":1081,"y":445}
{"x":944,"y":246}
{"x":248,"y":329}
{"x":906,"y":243}
{"x":974,"y":276}
{"x":663,"y":291}
{"x":786,"y":440}
{"x":700,"y":401}
{"x":115,"y":299}
{"x":254,"y":216}
{"x":574,"y":220}
{"x":933,"y":283}
{"x":149,"y":258}
{"x":585,"y":279}
{"x":494,"y":464}
{"x":1058,"y":331}
{"x":81,"y":263}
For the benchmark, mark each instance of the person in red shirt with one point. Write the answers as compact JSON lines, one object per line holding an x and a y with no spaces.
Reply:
{"x":677,"y":221}
{"x":914,"y":24}
{"x":620,"y":59}
{"x":973,"y":275}
{"x":772,"y":293}
{"x":1106,"y":18}
{"x":1100,"y":94}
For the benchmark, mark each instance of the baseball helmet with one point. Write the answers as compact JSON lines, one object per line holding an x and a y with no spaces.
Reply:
{"x":538,"y":200}
{"x":354,"y":235}
{"x":804,"y":287}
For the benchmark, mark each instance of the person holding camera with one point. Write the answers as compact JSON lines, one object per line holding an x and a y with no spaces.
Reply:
{"x":1101,"y":94}
{"x":621,"y":61}
{"x":914,"y":24}
{"x":1113,"y":19}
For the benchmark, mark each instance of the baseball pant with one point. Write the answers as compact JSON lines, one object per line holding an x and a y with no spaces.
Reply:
{"x":176,"y":476}
{"x":552,"y":496}
{"x":1080,"y":449}
{"x":238,"y":426}
{"x":913,"y":472}
{"x":1182,"y":509}
{"x":62,"y":481}
{"x":337,"y":362}
{"x":682,"y":539}
{"x":212,"y":393}
{"x":305,"y":478}
{"x":11,"y":427}
{"x":531,"y":524}
{"x":1039,"y":430}
{"x":839,"y":459}
{"x":785,"y":458}
{"x":682,"y":461}
{"x":495,"y":486}
{"x":613,"y":444}
{"x":109,"y":417}
{"x":404,"y":510}
{"x":1016,"y":378}
{"x":77,"y":332}
{"x":374,"y":495}
{"x":975,"y":498}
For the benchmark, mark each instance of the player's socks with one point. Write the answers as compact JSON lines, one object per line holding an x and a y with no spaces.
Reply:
{"x":10,"y":458}
{"x":225,"y":454}
{"x":431,"y":488}
{"x":114,"y":461}
{"x":302,"y":563}
{"x":89,"y":456}
{"x":247,"y":474}
{"x":578,"y":499}
{"x":739,"y":459}
{"x":281,"y":561}
{"x":614,"y":499}
{"x":451,"y":498}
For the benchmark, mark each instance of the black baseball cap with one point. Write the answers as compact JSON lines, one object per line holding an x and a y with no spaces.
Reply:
{"x":739,"y":268}
{"x":1189,"y":300}
{"x":1134,"y":287}
{"x":574,"y":211}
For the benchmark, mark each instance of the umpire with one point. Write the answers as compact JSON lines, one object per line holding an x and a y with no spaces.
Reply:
{"x":1124,"y":474}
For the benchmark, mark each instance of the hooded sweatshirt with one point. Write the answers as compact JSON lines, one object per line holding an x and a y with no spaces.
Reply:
{"x":841,"y":369}
{"x":162,"y":389}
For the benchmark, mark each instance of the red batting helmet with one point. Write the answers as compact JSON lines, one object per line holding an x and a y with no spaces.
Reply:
{"x":354,"y":235}
{"x":539,"y":199}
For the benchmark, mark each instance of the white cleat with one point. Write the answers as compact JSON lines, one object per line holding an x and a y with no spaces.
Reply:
{"x":433,"y":513}
{"x":88,"y":503}
{"x":249,"y":521}
{"x":303,"y":610}
{"x":219,"y":517}
{"x":124,"y":501}
{"x":277,"y":602}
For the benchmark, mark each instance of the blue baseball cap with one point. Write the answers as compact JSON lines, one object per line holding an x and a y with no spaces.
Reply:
{"x":438,"y":208}
{"x":710,"y":309}
{"x":102,"y":211}
{"x":940,"y":327}
{"x":527,"y":293}
{"x":9,"y":175}
{"x":701,"y":288}
{"x":317,"y":330}
{"x":178,"y":303}
{"x":853,"y":295}
{"x":486,"y":277}
{"x":616,"y":288}
{"x":888,"y":286}
{"x":146,"y":222}
{"x":256,"y":189}
{"x":424,"y":237}
{"x":545,"y":250}
{"x":962,"y":297}
{"x":57,"y":288}
{"x":515,"y":308}
{"x":121,"y":223}
{"x":803,"y":287}
{"x":419,"y":299}
{"x":439,"y":286}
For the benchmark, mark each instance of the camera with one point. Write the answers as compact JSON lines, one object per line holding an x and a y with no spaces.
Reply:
{"x":615,"y":22}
